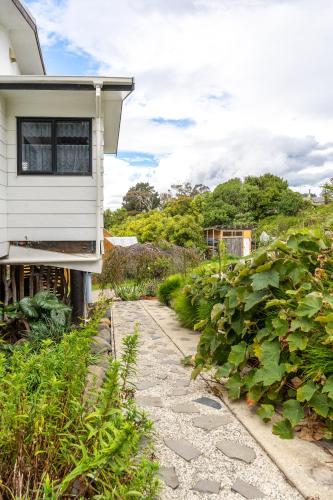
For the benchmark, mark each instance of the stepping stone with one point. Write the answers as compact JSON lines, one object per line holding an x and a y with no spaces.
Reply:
{"x":162,"y":376}
{"x":166,"y":351}
{"x":182,"y":383}
{"x":184,"y":408}
{"x":155,"y":338}
{"x":235,"y":450}
{"x":183,"y":448}
{"x":247,"y":490}
{"x":153,"y":401}
{"x":185,"y":339}
{"x":207,"y":486}
{"x":209,"y":402}
{"x":170,"y":362}
{"x":145,"y":384}
{"x":169,"y":476}
{"x":211,"y":422}
{"x":178,"y":392}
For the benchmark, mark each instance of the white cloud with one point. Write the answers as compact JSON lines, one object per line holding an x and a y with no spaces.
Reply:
{"x":268,"y":60}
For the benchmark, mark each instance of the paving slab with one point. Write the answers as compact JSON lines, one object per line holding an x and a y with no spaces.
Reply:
{"x":178,"y":391}
{"x":233,"y":449}
{"x":169,"y":476}
{"x":153,"y":401}
{"x":183,"y":448}
{"x":185,"y":408}
{"x":211,"y":422}
{"x":207,"y":486}
{"x":145,"y":384}
{"x":209,"y":402}
{"x":247,"y":490}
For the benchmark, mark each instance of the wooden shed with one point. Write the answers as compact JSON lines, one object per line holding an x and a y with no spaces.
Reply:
{"x":238,"y":240}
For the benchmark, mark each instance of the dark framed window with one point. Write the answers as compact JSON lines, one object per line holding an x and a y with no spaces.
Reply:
{"x":54,"y":146}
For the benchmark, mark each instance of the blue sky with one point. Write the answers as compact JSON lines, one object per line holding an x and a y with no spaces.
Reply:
{"x":224,"y":88}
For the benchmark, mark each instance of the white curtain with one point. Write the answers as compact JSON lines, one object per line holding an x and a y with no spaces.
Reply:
{"x":73,"y":158}
{"x":36,"y":147}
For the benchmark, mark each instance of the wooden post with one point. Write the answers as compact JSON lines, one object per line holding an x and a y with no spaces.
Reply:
{"x":77,"y":295}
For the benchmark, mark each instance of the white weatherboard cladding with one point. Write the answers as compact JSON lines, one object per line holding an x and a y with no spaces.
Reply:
{"x":3,"y":182}
{"x":46,"y":207}
{"x":6,"y":66}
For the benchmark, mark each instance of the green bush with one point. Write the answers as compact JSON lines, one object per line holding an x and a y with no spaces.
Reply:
{"x":270,"y":331}
{"x":168,"y":287}
{"x":187,"y":312}
{"x":53,"y":444}
{"x":130,"y":291}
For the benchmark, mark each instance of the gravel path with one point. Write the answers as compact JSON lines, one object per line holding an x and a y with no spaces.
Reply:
{"x":204,"y":451}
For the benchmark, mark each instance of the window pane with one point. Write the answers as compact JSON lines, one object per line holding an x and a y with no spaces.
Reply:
{"x":72,"y":142}
{"x":36,"y":146}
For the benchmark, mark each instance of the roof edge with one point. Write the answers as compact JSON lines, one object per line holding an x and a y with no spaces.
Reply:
{"x":32,"y":23}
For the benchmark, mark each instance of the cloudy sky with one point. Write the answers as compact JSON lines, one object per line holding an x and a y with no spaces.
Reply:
{"x":224,"y":88}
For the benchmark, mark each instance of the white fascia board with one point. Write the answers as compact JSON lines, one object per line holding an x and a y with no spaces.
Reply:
{"x":31,"y":256}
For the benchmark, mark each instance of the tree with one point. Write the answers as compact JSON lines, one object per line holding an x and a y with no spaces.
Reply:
{"x":113,"y":218}
{"x":187,"y":189}
{"x":327,"y":191}
{"x":141,"y":198}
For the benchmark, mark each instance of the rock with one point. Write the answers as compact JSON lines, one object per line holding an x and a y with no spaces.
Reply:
{"x":104,"y":334}
{"x":104,"y":361}
{"x":209,"y":402}
{"x":235,"y":450}
{"x":108,"y":314}
{"x":97,"y":371}
{"x":166,"y":351}
{"x":323,"y":474}
{"x":162,"y":376}
{"x":183,"y":448}
{"x":169,"y":476}
{"x":182,"y":383}
{"x":100,"y":346}
{"x":180,"y":391}
{"x":184,"y":408}
{"x":145,"y":384}
{"x":211,"y":422}
{"x":105,"y":321}
{"x":153,"y":401}
{"x":247,"y":490}
{"x":207,"y":486}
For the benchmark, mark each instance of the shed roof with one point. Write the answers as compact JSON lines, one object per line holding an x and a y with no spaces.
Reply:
{"x":123,"y":241}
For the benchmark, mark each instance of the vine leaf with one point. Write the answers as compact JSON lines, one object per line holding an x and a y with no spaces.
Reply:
{"x":309,"y":305}
{"x":293,"y":411}
{"x":266,"y":412}
{"x":306,"y":391}
{"x":283,"y":429}
{"x":260,"y":281}
{"x":238,"y":353}
{"x":296,"y":341}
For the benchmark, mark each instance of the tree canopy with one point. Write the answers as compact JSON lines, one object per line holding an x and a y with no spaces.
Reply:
{"x":141,"y":198}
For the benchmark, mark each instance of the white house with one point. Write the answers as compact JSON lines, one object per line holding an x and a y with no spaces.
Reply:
{"x":54,"y":131}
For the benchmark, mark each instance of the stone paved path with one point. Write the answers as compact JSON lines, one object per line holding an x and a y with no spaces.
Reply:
{"x":203,"y":449}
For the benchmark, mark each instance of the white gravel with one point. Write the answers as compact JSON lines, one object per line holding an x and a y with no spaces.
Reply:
{"x":211,"y":464}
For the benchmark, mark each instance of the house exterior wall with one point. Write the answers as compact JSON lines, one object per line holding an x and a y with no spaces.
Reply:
{"x":3,"y":181}
{"x":6,"y":66}
{"x":46,"y":207}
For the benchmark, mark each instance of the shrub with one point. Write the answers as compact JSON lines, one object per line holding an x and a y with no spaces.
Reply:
{"x":168,"y":287}
{"x":270,"y":331}
{"x":53,"y":445}
{"x":130,"y":291}
{"x":187,"y":312}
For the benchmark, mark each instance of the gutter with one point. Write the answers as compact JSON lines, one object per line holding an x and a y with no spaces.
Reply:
{"x":98,"y":86}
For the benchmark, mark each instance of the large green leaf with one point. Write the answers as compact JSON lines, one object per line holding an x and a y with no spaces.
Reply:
{"x":297,"y":340}
{"x":310,"y":305}
{"x":216,"y":312}
{"x":254,"y":299}
{"x":28,"y":308}
{"x":270,"y":352}
{"x":234,"y":385}
{"x":293,"y":411}
{"x":319,"y":402}
{"x":260,"y":281}
{"x":270,"y":374}
{"x":266,"y":412}
{"x":306,"y":391}
{"x":238,"y":353}
{"x":281,"y":326}
{"x":304,"y":324}
{"x":283,"y":429}
{"x":224,"y":370}
{"x":328,"y":387}
{"x":328,"y":318}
